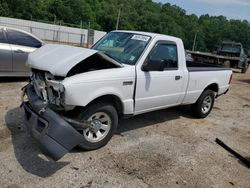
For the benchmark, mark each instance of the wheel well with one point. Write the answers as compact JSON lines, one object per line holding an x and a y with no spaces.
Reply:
{"x":110,"y":99}
{"x":214,"y":87}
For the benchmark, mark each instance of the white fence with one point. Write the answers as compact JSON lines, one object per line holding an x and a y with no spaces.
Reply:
{"x":54,"y":33}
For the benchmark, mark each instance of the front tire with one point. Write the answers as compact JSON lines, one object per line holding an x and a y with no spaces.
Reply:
{"x":104,"y":119}
{"x":204,"y":104}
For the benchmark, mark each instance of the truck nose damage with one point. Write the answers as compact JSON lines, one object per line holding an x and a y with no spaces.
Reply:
{"x":66,"y":61}
{"x":54,"y":135}
{"x":51,"y":64}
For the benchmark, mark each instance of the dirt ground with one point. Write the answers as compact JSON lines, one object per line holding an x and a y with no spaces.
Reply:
{"x":167,"y":148}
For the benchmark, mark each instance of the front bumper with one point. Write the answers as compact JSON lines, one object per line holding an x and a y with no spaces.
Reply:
{"x":54,"y":135}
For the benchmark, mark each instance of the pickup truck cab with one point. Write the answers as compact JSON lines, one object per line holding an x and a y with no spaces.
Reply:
{"x":76,"y":95}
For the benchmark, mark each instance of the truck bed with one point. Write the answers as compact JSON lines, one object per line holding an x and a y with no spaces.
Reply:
{"x":198,"y":69}
{"x":196,"y":66}
{"x":211,"y":55}
{"x":202,"y":75}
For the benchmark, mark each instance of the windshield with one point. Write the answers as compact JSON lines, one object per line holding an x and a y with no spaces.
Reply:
{"x":123,"y":47}
{"x":231,"y":48}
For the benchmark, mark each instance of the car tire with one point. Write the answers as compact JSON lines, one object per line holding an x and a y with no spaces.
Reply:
{"x":105,"y":114}
{"x":204,"y":104}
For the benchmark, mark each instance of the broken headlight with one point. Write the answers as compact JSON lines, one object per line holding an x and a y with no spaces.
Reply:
{"x":55,"y":91}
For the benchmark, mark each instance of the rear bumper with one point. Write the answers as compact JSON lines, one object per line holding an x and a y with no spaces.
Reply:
{"x":54,"y":135}
{"x":224,"y":93}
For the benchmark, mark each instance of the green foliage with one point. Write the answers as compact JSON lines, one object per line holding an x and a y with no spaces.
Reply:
{"x":143,"y":15}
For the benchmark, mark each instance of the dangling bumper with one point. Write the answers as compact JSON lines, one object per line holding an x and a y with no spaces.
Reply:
{"x":54,"y":135}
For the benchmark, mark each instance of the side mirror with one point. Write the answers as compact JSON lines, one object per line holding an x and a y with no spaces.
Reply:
{"x":153,"y":65}
{"x":39,"y":45}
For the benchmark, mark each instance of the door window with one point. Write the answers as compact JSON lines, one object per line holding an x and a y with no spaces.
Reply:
{"x":167,"y":53}
{"x":22,"y":39}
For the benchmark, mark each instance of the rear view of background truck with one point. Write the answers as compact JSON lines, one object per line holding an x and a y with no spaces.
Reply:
{"x":229,"y":54}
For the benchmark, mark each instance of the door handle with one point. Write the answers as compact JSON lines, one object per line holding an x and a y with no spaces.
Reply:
{"x":126,"y":83}
{"x":178,"y":77}
{"x":19,"y":51}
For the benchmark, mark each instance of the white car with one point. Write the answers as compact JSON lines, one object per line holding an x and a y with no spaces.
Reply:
{"x":77,"y":95}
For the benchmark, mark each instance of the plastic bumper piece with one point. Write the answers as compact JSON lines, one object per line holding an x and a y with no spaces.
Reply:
{"x":54,"y":135}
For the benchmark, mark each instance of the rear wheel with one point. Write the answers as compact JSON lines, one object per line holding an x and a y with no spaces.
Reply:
{"x":227,"y":64}
{"x":104,"y":120}
{"x":204,"y":104}
{"x":244,"y":70}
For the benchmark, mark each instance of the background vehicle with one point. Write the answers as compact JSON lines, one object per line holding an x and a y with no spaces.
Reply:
{"x":189,"y":57}
{"x":79,"y":99}
{"x":15,"y":46}
{"x":229,"y":54}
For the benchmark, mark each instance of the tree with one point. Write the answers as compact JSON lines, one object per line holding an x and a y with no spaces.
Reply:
{"x":144,"y":15}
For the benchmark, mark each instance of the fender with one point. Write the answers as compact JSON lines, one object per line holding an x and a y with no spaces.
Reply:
{"x":74,"y":93}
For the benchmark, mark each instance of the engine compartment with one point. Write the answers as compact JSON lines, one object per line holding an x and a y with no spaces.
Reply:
{"x":98,"y":61}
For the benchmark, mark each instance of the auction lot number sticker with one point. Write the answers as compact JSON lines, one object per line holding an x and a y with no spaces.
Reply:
{"x":141,"y":38}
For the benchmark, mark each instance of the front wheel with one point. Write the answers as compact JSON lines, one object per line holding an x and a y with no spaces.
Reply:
{"x":204,"y":104}
{"x":104,"y":121}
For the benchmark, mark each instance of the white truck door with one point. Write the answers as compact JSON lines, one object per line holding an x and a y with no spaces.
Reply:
{"x":160,"y":89}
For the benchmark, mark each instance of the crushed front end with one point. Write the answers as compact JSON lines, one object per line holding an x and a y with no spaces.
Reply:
{"x":54,"y":135}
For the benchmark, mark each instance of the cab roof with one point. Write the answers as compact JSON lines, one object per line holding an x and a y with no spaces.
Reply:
{"x":153,"y":35}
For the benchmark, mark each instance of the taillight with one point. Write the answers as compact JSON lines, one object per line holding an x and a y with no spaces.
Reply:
{"x":230,"y":80}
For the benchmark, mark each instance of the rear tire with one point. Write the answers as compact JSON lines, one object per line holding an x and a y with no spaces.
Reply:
{"x":244,"y":70}
{"x":107,"y":121}
{"x":204,"y":104}
{"x":227,"y":64}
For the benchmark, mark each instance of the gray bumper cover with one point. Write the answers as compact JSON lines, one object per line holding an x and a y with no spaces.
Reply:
{"x":54,"y":135}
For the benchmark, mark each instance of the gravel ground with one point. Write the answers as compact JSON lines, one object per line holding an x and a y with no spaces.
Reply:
{"x":167,"y":148}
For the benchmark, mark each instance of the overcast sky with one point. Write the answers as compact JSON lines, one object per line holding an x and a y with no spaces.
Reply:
{"x":235,"y":9}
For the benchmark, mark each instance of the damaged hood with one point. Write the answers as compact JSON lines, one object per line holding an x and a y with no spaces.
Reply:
{"x":60,"y":59}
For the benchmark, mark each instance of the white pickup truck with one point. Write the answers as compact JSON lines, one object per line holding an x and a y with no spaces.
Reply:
{"x":76,"y":96}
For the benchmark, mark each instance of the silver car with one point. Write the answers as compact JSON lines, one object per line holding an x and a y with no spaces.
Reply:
{"x":15,"y":46}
